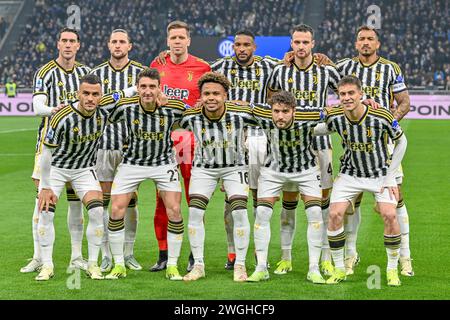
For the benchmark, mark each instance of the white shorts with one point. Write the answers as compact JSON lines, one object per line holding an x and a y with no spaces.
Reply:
{"x":82,"y":180}
{"x":37,"y":167}
{"x":204,"y":181}
{"x":399,"y":173}
{"x":307,"y":183}
{"x":257,"y":152}
{"x":346,"y":188}
{"x":325,"y":157}
{"x":107,"y":163}
{"x":129,"y":177}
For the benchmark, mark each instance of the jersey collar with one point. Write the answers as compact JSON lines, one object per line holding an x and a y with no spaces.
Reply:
{"x":64,"y":70}
{"x":75,"y":105}
{"x":147,"y":111}
{"x":119,"y":70}
{"x":306,"y":68}
{"x":369,"y":65}
{"x":358,"y":122}
{"x":218,"y":119}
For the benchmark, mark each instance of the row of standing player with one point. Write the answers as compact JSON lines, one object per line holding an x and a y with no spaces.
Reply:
{"x":178,"y":44}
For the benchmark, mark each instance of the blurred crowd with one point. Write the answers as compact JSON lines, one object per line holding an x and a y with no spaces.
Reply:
{"x":414,"y":33}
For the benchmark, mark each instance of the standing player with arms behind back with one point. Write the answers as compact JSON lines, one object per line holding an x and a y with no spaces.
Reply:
{"x":179,"y":76}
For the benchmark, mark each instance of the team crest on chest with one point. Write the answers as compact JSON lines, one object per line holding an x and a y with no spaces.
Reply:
{"x":378,"y":75}
{"x":258,"y":72}
{"x":130,"y":80}
{"x":190,"y":75}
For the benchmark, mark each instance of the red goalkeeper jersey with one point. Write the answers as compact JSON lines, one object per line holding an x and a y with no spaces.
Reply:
{"x":179,"y":81}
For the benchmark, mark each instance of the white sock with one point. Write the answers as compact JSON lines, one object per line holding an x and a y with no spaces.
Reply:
{"x":241,"y":233}
{"x":351,"y":230}
{"x":174,"y":241}
{"x":229,"y":226}
{"x":46,"y":237}
{"x":392,"y":244}
{"x":106,"y":252}
{"x":326,"y":252}
{"x":95,"y":230}
{"x":197,"y":233}
{"x":35,"y":221}
{"x":75,"y":223}
{"x":403,"y":221}
{"x":262,"y":235}
{"x":314,"y":236}
{"x":131,"y":222}
{"x":116,"y":235}
{"x":337,"y":250}
{"x":287,"y":228}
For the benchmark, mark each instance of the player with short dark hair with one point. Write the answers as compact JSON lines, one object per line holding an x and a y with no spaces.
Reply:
{"x":56,"y":84}
{"x":179,"y":72}
{"x":118,"y":73}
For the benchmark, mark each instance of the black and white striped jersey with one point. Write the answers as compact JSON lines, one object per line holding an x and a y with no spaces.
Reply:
{"x":310,"y":88}
{"x":219,"y":143}
{"x":365,"y":141}
{"x":76,"y":136}
{"x":113,"y":80}
{"x":309,"y":85}
{"x":60,"y":86}
{"x":380,"y":80}
{"x":290,"y":149}
{"x":248,"y":83}
{"x":149,"y":142}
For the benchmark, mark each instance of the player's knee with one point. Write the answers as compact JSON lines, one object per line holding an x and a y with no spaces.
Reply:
{"x":174,"y":212}
{"x":335,"y":217}
{"x":95,"y":211}
{"x":118,"y":209}
{"x":389,"y":216}
{"x":264,"y":212}
{"x":197,"y":207}
{"x":238,"y":203}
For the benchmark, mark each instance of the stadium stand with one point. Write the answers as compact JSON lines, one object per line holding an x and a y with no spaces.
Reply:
{"x":415,"y":33}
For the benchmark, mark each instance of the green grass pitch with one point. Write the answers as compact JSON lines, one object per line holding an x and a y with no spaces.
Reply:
{"x":427,"y":169}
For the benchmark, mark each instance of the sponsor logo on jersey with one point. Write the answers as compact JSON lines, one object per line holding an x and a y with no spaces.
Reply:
{"x":176,"y":93}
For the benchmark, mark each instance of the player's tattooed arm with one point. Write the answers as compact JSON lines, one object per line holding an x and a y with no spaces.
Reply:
{"x":403,"y":105}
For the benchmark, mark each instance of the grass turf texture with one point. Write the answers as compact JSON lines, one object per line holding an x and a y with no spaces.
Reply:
{"x":426,"y":195}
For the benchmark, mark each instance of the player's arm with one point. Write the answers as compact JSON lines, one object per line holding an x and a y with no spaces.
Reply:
{"x":51,"y":141}
{"x":401,"y":95}
{"x":403,"y":105}
{"x":46,"y":196}
{"x":397,"y":156}
{"x":40,"y":107}
{"x":273,"y":84}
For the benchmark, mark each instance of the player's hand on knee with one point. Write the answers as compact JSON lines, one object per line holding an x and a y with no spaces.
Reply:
{"x":46,"y":198}
{"x":393,"y":192}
